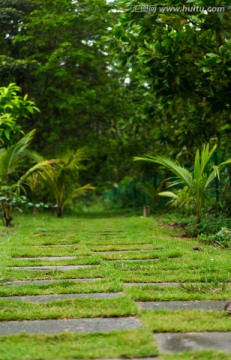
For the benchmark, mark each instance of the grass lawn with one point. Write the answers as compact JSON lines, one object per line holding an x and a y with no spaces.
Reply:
{"x":120,"y":248}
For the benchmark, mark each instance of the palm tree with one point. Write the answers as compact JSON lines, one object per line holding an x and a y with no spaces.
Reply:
{"x":198,"y":181}
{"x":13,"y":172}
{"x":62,"y":179}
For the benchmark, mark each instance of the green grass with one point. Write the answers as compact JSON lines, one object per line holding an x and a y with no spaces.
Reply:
{"x":63,"y":287}
{"x":22,"y":274}
{"x":80,"y":260}
{"x":197,"y":355}
{"x":32,"y":251}
{"x":186,"y":320}
{"x":208,"y":291}
{"x":134,"y":343}
{"x":66,"y":309}
{"x":170,"y":258}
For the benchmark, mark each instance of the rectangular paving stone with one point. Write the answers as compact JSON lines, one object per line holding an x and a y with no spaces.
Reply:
{"x":72,"y":325}
{"x":52,"y":297}
{"x":131,"y":260}
{"x":52,"y":267}
{"x":183,"y":305}
{"x":49,"y":258}
{"x":143,"y":358}
{"x":180,"y":342}
{"x":55,"y":245}
{"x":122,"y":251}
{"x":153,"y":284}
{"x":94,"y":245}
{"x":161,"y":284}
{"x":44,"y":282}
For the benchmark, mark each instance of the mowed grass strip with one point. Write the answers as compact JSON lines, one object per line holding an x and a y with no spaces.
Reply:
{"x":67,"y":309}
{"x":64,"y":287}
{"x":24,"y":274}
{"x":197,"y":355}
{"x":131,"y":272}
{"x":140,"y":255}
{"x":32,"y":251}
{"x":116,"y":344}
{"x":206,"y":291}
{"x":80,"y":260}
{"x":186,"y":320}
{"x":121,"y":247}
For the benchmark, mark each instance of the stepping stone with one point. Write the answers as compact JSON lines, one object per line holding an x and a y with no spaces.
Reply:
{"x":183,"y":305}
{"x":72,"y":325}
{"x":49,"y":258}
{"x":172,"y":343}
{"x":131,"y":260}
{"x":122,"y":251}
{"x":162,"y":284}
{"x":153,"y":284}
{"x":52,"y":297}
{"x":94,"y":245}
{"x":41,"y":282}
{"x":54,"y":267}
{"x":55,"y":245}
{"x":143,"y":358}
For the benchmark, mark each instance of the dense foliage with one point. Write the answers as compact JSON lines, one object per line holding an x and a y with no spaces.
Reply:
{"x":120,"y":83}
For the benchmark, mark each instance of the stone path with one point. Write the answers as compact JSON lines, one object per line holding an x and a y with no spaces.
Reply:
{"x":143,"y":358}
{"x":55,"y":245}
{"x":44,"y":282}
{"x":183,"y":305}
{"x":49,"y":258}
{"x":73,"y":325}
{"x":53,"y":267}
{"x":132,"y":260}
{"x":109,"y":252}
{"x":169,"y":342}
{"x":52,"y":297}
{"x":153,"y":284}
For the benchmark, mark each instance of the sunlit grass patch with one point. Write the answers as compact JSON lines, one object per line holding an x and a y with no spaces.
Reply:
{"x":116,"y":344}
{"x":186,"y":320}
{"x":24,"y":274}
{"x":62,"y":287}
{"x":67,"y":309}
{"x":144,"y":274}
{"x":197,"y":355}
{"x":31,"y":251}
{"x":121,"y":247}
{"x":131,"y":256}
{"x":79,"y":260}
{"x":200,"y":291}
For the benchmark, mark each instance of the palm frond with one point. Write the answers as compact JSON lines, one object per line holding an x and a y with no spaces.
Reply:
{"x":72,"y":160}
{"x":76,"y":193}
{"x":168,"y":194}
{"x":11,"y":159}
{"x":206,"y":156}
{"x":41,"y":167}
{"x":202,"y":159}
{"x":174,"y":167}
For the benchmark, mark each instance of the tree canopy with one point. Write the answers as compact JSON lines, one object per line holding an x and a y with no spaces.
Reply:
{"x":118,"y":81}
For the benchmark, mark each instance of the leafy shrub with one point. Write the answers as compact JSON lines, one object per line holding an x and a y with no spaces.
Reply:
{"x":209,"y":225}
{"x":221,"y":238}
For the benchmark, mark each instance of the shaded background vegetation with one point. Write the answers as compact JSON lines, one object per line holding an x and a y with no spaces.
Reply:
{"x":121,"y":83}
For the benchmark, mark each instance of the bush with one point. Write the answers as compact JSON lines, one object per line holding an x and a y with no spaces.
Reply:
{"x":211,"y":224}
{"x":221,"y":238}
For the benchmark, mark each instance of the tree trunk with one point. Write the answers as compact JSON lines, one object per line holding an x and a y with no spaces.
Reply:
{"x":146,"y":211}
{"x":7,"y":215}
{"x":59,"y":211}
